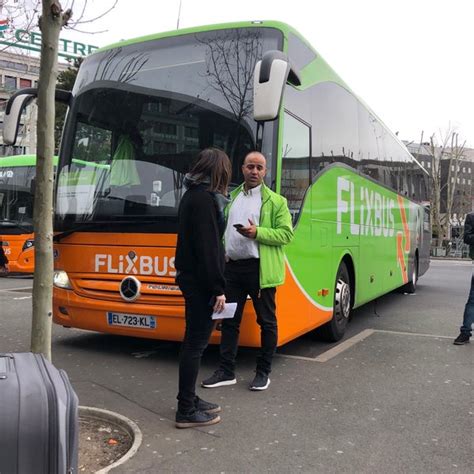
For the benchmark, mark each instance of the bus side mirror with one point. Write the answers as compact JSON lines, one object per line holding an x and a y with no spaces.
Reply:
{"x":270,"y":76}
{"x":15,"y":107}
{"x":11,"y":119}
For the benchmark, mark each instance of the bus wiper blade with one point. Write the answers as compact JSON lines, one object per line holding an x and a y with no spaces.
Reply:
{"x":79,"y":228}
{"x":12,"y":223}
{"x":95,"y":224}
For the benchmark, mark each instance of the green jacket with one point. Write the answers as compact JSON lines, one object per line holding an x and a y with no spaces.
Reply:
{"x":273,"y":232}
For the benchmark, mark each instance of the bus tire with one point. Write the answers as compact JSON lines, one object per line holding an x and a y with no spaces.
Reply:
{"x":410,"y":287}
{"x":334,"y":330}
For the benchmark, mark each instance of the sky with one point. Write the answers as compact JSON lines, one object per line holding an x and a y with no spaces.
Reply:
{"x":410,"y":61}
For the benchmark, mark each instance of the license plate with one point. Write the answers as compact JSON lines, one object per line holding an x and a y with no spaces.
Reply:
{"x":131,"y":320}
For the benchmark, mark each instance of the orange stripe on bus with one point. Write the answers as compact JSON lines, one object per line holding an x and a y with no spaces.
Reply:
{"x":406,"y":229}
{"x":401,"y":257}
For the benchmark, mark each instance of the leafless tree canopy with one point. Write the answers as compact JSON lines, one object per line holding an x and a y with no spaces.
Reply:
{"x":24,"y":14}
{"x":446,"y":151}
{"x":230,"y":64}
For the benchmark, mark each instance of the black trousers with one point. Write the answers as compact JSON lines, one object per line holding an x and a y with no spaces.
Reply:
{"x":242,"y":279}
{"x":199,"y":325}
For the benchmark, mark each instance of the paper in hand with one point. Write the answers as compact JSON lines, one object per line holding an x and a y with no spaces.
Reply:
{"x":227,"y":313}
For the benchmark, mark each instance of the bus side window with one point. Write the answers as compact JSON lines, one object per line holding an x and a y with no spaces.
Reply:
{"x":295,"y":167}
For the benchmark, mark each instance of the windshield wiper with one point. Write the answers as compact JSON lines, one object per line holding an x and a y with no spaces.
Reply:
{"x":98,"y":224}
{"x":79,"y":228}
{"x":18,"y":225}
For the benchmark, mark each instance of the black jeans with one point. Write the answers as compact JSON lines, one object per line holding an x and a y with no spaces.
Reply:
{"x":242,"y":279}
{"x":468,"y":319}
{"x":199,"y":325}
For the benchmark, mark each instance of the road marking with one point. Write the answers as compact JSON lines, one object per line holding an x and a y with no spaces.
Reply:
{"x":17,"y":289}
{"x":403,"y":333}
{"x":23,"y":298}
{"x":325,"y":356}
{"x":331,"y":353}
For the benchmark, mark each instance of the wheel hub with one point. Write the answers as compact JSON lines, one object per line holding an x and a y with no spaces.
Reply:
{"x":343,"y":299}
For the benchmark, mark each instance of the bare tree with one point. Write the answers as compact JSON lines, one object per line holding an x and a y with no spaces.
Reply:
{"x":24,"y":13}
{"x":230,"y":64}
{"x":446,"y":152}
{"x":52,"y":19}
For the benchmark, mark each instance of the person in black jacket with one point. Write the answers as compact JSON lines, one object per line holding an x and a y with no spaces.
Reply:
{"x":200,"y":263}
{"x":3,"y":260}
{"x":468,"y":319}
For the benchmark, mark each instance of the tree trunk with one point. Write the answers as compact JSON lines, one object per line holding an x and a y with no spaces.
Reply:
{"x":51,"y":22}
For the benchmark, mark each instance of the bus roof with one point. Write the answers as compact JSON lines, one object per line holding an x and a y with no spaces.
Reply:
{"x":318,"y":70}
{"x":197,"y":29}
{"x":21,"y":160}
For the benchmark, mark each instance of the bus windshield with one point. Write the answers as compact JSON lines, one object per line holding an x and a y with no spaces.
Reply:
{"x":16,"y":199}
{"x":140,"y":115}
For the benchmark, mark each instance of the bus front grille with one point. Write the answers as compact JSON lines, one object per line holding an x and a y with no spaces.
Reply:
{"x":107,"y":287}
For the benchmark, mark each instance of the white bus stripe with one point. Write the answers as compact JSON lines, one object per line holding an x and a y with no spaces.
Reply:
{"x":308,"y":297}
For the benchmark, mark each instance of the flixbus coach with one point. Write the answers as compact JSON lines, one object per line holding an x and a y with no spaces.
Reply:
{"x":145,"y":107}
{"x":17,"y":190}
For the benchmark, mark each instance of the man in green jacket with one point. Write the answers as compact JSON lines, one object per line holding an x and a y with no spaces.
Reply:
{"x":258,"y":227}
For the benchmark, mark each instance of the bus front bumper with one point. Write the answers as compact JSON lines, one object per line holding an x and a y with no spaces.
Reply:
{"x":72,"y":310}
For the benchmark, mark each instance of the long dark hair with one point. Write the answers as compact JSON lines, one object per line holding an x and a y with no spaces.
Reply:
{"x":214,"y":165}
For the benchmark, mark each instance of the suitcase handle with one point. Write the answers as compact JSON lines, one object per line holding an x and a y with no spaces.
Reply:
{"x":4,"y":365}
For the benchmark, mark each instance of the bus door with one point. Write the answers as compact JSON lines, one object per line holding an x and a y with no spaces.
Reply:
{"x":295,"y":187}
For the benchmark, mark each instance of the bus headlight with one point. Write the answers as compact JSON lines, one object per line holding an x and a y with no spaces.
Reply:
{"x":28,"y":244}
{"x":61,"y":280}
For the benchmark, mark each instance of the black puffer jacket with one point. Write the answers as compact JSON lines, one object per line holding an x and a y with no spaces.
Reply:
{"x":200,"y":252}
{"x":3,"y":257}
{"x":469,"y":233}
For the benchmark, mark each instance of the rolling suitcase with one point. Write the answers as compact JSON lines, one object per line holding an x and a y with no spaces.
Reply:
{"x":38,"y":417}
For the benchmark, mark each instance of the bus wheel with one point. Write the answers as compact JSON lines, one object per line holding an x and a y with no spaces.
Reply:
{"x":410,"y":287}
{"x":334,"y":330}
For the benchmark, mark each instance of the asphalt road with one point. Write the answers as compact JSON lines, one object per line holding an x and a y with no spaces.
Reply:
{"x":394,"y":396}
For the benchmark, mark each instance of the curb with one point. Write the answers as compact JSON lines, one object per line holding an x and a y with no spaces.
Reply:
{"x":128,"y":425}
{"x":459,"y":259}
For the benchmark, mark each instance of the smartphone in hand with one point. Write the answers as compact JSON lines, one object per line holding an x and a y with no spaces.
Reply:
{"x":238,"y":226}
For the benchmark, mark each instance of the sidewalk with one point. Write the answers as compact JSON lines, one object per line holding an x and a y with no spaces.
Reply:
{"x":397,"y":415}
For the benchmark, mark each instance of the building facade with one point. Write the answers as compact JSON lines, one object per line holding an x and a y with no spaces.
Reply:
{"x":20,"y":71}
{"x":456,"y":178}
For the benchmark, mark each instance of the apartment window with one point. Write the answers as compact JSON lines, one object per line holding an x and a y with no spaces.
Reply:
{"x":191,"y":132}
{"x":469,"y":182}
{"x":24,"y":83}
{"x":463,"y":169}
{"x":13,"y":65}
{"x":429,"y":164}
{"x":452,"y":180}
{"x":457,"y":180}
{"x":10,"y":82}
{"x":452,"y":167}
{"x":469,"y":170}
{"x":463,"y":181}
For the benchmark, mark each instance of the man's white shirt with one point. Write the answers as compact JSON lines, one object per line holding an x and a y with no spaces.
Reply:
{"x":246,"y":206}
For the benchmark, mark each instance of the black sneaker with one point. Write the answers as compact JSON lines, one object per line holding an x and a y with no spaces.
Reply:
{"x":208,"y":407}
{"x":463,"y":338}
{"x":260,"y":382}
{"x":196,"y":419}
{"x":218,"y":379}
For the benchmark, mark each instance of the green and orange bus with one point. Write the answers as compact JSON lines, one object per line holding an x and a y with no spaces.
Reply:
{"x":145,"y":107}
{"x":17,"y":182}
